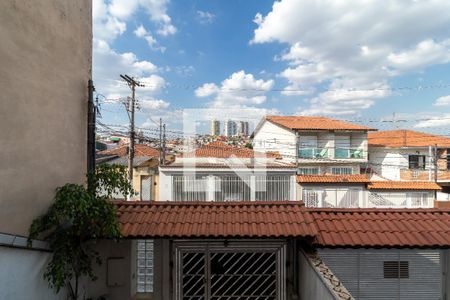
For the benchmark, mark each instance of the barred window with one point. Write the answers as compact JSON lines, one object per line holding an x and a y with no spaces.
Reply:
{"x":342,"y":170}
{"x":144,"y":265}
{"x":308,"y":171}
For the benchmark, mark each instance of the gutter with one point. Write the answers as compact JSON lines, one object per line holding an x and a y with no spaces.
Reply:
{"x":17,"y":241}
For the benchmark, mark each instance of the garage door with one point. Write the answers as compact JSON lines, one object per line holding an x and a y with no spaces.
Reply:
{"x":212,"y":271}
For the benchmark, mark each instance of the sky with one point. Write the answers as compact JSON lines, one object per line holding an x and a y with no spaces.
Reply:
{"x":386,"y":66}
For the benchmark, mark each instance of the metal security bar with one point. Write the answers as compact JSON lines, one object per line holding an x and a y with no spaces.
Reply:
{"x":408,"y":200}
{"x":243,"y":276}
{"x":189,"y":188}
{"x":232,"y":188}
{"x":332,"y":198}
{"x":270,"y":188}
{"x":237,"y":271}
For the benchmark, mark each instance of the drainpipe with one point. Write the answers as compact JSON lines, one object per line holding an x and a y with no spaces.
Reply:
{"x":91,"y":130}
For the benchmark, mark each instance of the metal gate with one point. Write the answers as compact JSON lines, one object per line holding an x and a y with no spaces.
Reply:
{"x":210,"y":271}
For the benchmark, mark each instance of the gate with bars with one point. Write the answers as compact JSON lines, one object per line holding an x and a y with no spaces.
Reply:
{"x":230,"y":271}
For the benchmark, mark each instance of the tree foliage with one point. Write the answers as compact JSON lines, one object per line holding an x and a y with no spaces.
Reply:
{"x":77,"y":219}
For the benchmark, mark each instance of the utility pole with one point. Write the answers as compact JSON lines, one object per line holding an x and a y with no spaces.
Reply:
{"x":160,"y":143}
{"x":164,"y":145}
{"x":435,"y":163}
{"x":130,"y":109}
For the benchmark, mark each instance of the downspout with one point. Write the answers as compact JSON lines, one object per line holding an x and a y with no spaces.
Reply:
{"x":90,"y":131}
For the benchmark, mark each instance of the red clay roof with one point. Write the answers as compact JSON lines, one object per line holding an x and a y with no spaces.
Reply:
{"x":139,"y":150}
{"x":406,"y":138}
{"x":214,"y":219}
{"x":356,"y":178}
{"x":382,"y":228}
{"x":219,"y":149}
{"x":335,"y":227}
{"x":314,"y":123}
{"x":403,"y":185}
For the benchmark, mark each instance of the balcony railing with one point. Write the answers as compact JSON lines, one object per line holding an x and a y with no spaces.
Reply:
{"x":313,"y":153}
{"x":344,"y":153}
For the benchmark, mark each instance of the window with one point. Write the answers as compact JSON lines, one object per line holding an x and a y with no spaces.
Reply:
{"x":417,"y":199}
{"x":231,"y":188}
{"x":417,"y":162}
{"x":342,"y":170}
{"x":273,"y":187}
{"x":308,"y":171}
{"x":396,"y":269}
{"x":189,"y":188}
{"x":144,"y":266}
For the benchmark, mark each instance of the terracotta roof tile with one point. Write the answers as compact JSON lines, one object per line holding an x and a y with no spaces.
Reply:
{"x":382,"y":227}
{"x":219,"y":149}
{"x":314,"y":123}
{"x":214,"y":219}
{"x":332,"y":227}
{"x":403,"y":185}
{"x":356,"y":178}
{"x":139,"y":150}
{"x":406,"y":138}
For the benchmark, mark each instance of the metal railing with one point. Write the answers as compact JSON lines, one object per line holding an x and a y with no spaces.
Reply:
{"x":400,"y":200}
{"x":333,"y":198}
{"x":343,"y":153}
{"x":352,"y":198}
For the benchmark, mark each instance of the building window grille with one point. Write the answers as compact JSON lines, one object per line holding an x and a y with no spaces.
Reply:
{"x":342,"y":171}
{"x":308,"y":171}
{"x":144,"y":266}
{"x":417,"y":162}
{"x":189,"y":188}
{"x":396,"y":269}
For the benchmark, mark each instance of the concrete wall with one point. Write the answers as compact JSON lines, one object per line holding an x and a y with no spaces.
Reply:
{"x":21,"y":275}
{"x":311,"y":284}
{"x":45,"y":59}
{"x":271,"y":137}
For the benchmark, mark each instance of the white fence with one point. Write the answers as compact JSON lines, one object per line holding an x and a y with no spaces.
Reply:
{"x":352,"y":198}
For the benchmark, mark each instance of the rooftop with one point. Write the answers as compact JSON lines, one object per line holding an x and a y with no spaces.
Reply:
{"x":355,"y":178}
{"x":139,"y":150}
{"x":219,"y":149}
{"x":403,"y":185}
{"x":315,"y":123}
{"x":406,"y":138}
{"x":336,"y":227}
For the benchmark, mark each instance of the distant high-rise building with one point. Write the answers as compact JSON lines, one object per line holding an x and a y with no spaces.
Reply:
{"x":230,"y":128}
{"x":215,"y":127}
{"x":242,"y":128}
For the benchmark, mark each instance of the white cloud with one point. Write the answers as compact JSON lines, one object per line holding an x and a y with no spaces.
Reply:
{"x":240,"y":89}
{"x":109,"y":64}
{"x":442,"y":101}
{"x":206,"y":90}
{"x":441,"y":121}
{"x":346,"y":45}
{"x":155,"y":9}
{"x":205,"y":17}
{"x":154,"y":104}
{"x":143,"y":33}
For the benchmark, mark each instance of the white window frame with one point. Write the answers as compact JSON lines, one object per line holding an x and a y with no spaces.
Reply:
{"x":341,"y":170}
{"x":309,"y":171}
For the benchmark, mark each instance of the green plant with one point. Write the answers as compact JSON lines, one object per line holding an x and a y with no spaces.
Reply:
{"x":78,"y":218}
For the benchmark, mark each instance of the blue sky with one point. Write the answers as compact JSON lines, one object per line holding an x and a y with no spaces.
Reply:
{"x":354,"y":61}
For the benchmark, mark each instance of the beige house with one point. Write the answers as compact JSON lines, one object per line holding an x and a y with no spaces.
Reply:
{"x":145,"y":171}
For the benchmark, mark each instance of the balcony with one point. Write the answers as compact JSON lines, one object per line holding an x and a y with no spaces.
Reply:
{"x":313,"y":153}
{"x":344,"y":153}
